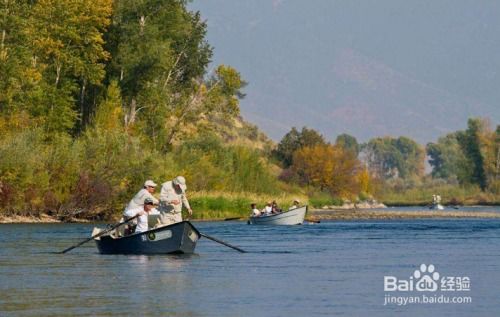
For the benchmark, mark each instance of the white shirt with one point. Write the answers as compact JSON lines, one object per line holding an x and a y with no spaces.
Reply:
{"x":169,"y":194}
{"x":256,"y":212}
{"x":268,"y":209}
{"x":138,"y":200}
{"x":142,"y":221}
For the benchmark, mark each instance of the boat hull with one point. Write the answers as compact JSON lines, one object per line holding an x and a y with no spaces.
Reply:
{"x":292,"y":217}
{"x":178,"y":238}
{"x":436,"y":207}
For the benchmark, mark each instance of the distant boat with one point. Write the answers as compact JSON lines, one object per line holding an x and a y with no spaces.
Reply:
{"x":436,"y":207}
{"x":178,"y":238}
{"x":292,"y":217}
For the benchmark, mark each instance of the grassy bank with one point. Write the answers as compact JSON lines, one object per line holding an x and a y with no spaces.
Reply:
{"x":218,"y":205}
{"x":451,"y":195}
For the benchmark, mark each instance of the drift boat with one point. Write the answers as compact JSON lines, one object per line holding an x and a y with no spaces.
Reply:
{"x":292,"y":217}
{"x":436,"y":207}
{"x":178,"y":238}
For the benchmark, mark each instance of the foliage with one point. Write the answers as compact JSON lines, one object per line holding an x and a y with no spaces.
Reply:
{"x":421,"y":194}
{"x":220,"y":205}
{"x":471,"y":156}
{"x":329,"y":168}
{"x":348,"y":143}
{"x":97,"y":96}
{"x":392,"y":158}
{"x":209,"y":164}
{"x":321,"y":199}
{"x":295,"y":140}
{"x":447,"y":159}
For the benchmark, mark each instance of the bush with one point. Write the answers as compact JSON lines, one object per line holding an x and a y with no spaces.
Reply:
{"x":318,"y":200}
{"x":95,"y":175}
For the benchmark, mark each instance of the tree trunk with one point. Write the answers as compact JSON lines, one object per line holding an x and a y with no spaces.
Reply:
{"x":497,"y":167}
{"x":3,"y":40}
{"x":58,"y":74}
{"x":83,"y":112}
{"x":130,"y":117}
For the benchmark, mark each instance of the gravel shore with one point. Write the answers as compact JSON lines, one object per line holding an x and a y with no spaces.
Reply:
{"x":359,"y":214}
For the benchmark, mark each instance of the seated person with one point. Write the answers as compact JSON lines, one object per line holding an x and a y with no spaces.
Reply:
{"x":275,"y":208}
{"x":268,"y":209}
{"x":295,"y":205}
{"x":255,"y":212}
{"x":142,"y":220}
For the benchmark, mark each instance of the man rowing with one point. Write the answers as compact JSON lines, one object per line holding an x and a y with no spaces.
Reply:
{"x":142,"y":219}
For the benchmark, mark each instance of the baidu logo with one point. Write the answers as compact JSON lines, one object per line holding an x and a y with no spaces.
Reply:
{"x":426,"y":279}
{"x":426,"y":286}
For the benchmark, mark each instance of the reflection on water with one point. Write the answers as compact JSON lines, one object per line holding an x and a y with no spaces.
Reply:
{"x":322,"y":269}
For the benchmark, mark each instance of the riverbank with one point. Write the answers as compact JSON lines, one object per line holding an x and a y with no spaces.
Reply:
{"x":312,"y":215}
{"x":364,"y":214}
{"x":41,"y":218}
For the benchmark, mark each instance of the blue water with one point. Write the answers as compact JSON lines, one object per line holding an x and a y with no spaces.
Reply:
{"x":326,"y":269}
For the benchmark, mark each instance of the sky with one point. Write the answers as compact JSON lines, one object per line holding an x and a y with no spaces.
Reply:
{"x":368,"y":68}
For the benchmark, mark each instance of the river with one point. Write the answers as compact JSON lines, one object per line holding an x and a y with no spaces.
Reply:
{"x":325,"y":269}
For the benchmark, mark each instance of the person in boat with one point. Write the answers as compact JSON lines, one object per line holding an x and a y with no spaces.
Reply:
{"x":296,"y":204}
{"x":255,"y":212}
{"x":172,"y":199}
{"x":142,"y":221}
{"x":268,"y":209}
{"x":146,"y":192}
{"x":433,"y":199}
{"x":275,"y":207}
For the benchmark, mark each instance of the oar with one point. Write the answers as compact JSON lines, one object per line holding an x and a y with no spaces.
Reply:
{"x":232,"y":218}
{"x":312,"y":220}
{"x":222,"y":242}
{"x":99,"y":234}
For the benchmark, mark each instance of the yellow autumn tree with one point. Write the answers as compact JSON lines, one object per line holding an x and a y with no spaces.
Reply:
{"x":364,"y":180}
{"x":328,"y":167}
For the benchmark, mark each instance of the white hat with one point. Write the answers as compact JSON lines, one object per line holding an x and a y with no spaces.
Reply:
{"x":181,"y":182}
{"x":296,"y":201}
{"x":150,"y":183}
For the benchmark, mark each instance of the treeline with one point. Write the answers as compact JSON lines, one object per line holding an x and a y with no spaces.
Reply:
{"x":385,"y":166}
{"x":59,"y":59}
{"x":98,"y":95}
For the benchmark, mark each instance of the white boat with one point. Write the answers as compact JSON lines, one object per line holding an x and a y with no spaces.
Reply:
{"x":291,"y":217}
{"x":436,"y":207}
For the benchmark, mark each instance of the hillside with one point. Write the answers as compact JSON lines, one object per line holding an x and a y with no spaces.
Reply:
{"x":364,"y":68}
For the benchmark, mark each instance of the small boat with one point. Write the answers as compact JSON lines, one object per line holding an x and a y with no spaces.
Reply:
{"x":178,"y":238}
{"x":292,"y":217}
{"x":436,"y":207}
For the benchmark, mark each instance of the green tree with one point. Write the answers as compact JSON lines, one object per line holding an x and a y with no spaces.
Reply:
{"x":470,"y":141}
{"x":159,"y":57}
{"x":295,"y":140}
{"x":66,"y":38}
{"x":287,"y":146}
{"x":392,"y":158}
{"x":348,"y":143}
{"x":447,"y":159}
{"x":109,"y":114}
{"x":413,"y":157}
{"x":14,"y":56}
{"x":219,"y":94}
